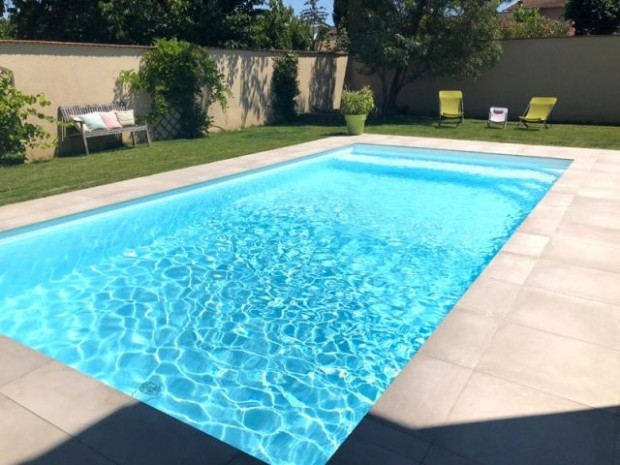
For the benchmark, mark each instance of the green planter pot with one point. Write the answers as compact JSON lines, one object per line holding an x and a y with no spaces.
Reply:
{"x":355,"y":124}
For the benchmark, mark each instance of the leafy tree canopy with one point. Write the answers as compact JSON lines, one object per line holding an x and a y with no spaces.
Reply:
{"x":404,"y":40}
{"x":277,"y":27}
{"x":594,"y":16}
{"x":218,"y":23}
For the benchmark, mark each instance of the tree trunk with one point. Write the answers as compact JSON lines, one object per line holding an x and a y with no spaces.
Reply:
{"x":391,"y":91}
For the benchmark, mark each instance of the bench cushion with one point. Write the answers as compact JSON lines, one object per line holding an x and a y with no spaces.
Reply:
{"x":126,"y":118}
{"x":109,"y":119}
{"x":93,"y":121}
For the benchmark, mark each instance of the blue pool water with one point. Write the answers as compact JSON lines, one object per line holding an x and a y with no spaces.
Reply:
{"x":270,"y":310}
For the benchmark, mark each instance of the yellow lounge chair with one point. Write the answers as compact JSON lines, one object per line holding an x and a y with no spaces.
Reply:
{"x":538,"y":111}
{"x":451,"y":106}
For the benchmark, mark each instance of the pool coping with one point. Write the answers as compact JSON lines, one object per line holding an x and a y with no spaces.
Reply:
{"x":533,"y":338}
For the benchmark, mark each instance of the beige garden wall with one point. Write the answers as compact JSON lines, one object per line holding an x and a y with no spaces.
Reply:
{"x":583,"y":72}
{"x":72,"y":74}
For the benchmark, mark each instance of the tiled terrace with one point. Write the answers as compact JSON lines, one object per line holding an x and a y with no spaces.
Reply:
{"x":524,"y":370}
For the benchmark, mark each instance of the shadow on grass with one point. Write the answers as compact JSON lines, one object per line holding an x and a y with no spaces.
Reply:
{"x":141,"y":435}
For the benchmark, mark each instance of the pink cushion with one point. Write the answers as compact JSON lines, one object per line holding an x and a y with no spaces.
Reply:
{"x":110,"y":120}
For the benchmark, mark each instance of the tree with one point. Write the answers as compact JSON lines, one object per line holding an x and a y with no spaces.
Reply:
{"x":316,"y":17}
{"x":204,"y":22}
{"x":404,"y":40}
{"x":594,"y":16}
{"x":58,"y":20}
{"x":278,"y":28}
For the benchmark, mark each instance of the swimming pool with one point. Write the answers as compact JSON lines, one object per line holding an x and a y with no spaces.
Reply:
{"x":270,"y":310}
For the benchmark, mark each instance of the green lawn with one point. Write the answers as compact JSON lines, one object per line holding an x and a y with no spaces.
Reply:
{"x":23,"y":182}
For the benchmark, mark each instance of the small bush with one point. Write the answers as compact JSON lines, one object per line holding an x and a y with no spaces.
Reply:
{"x":284,"y":87}
{"x":357,"y":102}
{"x":17,"y":111}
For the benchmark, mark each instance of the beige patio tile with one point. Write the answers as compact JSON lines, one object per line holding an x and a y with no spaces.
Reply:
{"x":567,"y":316}
{"x":26,"y":438}
{"x":606,"y":167}
{"x":510,"y":267}
{"x":545,"y":211}
{"x":558,"y":199}
{"x":583,"y":252}
{"x":600,"y":192}
{"x":422,"y":395}
{"x":65,"y":397}
{"x":608,"y":236}
{"x":489,"y":297}
{"x":16,"y":360}
{"x":569,"y":368}
{"x":603,"y":213}
{"x":539,"y":226}
{"x":587,"y":283}
{"x":526,"y":244}
{"x":498,"y":422}
{"x":461,"y":338}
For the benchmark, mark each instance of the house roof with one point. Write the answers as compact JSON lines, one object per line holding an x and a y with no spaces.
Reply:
{"x":538,"y":4}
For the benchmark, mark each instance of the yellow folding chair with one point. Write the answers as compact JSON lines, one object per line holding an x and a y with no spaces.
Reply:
{"x":451,"y":106}
{"x":537,"y":112}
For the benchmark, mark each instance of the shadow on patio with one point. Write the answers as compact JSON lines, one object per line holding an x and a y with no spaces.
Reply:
{"x":139,"y":434}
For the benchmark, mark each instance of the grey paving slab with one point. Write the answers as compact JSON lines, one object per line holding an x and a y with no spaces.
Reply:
{"x":514,"y":268}
{"x":489,"y":297}
{"x":26,"y":439}
{"x":367,"y":453}
{"x":440,"y":456}
{"x":17,"y":360}
{"x":390,"y":437}
{"x":78,"y":401}
{"x":461,"y":338}
{"x":497,"y":422}
{"x":568,"y":316}
{"x":422,"y":395}
{"x":526,"y":244}
{"x":578,"y":281}
{"x":584,"y":252}
{"x":576,"y":370}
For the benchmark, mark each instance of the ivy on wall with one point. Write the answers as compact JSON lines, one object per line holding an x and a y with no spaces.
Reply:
{"x":179,"y":76}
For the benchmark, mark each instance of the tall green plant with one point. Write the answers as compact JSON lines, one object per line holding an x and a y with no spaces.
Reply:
{"x":181,"y":76}
{"x":18,"y":132}
{"x":285,"y":87}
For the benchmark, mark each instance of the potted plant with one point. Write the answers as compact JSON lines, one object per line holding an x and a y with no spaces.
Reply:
{"x":355,"y":105}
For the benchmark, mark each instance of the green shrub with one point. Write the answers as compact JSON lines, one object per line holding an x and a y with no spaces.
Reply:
{"x":181,"y":76}
{"x":357,"y":102}
{"x":284,"y":87}
{"x":18,"y":132}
